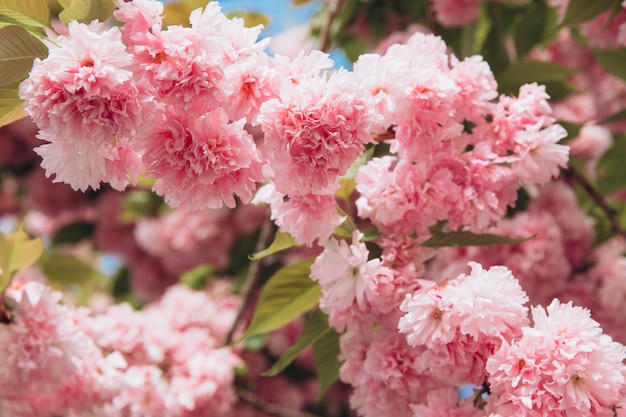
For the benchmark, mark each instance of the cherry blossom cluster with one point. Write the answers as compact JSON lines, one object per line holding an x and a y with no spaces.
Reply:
{"x":164,"y":360}
{"x":426,"y":142}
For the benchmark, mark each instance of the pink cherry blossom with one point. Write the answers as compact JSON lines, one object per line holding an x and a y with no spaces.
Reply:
{"x":202,"y":162}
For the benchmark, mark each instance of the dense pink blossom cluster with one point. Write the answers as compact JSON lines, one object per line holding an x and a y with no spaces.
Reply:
{"x":213,"y":120}
{"x":165,"y":360}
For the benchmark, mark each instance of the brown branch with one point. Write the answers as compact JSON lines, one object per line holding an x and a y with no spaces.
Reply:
{"x":577,"y":178}
{"x":252,"y":277}
{"x":430,"y":17}
{"x":333,"y":10}
{"x":252,"y":399}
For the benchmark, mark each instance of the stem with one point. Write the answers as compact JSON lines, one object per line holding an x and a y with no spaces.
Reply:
{"x":252,"y":277}
{"x":333,"y":10}
{"x":576,"y":177}
{"x":252,"y":399}
{"x":430,"y":17}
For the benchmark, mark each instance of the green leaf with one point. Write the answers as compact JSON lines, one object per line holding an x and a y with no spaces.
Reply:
{"x":107,"y":7}
{"x":612,"y":169}
{"x":616,"y":117}
{"x":300,"y":2}
{"x":250,"y":19}
{"x":281,"y":242}
{"x":17,"y":252}
{"x":528,"y":71}
{"x":140,"y":203}
{"x":288,"y":294}
{"x":83,"y":11}
{"x":612,"y":60}
{"x":463,"y":238}
{"x":27,"y":12}
{"x":346,"y":188}
{"x":358,"y":163}
{"x":532,"y":27}
{"x":73,"y":233}
{"x":11,"y":105}
{"x":326,"y":356}
{"x":346,"y":228}
{"x":64,"y":269}
{"x":579,"y":11}
{"x":196,"y":278}
{"x":314,"y":329}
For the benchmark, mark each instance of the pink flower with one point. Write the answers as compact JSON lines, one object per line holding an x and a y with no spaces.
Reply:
{"x":563,"y":365}
{"x":202,"y":162}
{"x":83,"y":98}
{"x":316,"y":129}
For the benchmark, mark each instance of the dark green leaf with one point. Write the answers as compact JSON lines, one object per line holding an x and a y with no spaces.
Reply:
{"x":532,"y":27}
{"x":612,"y":169}
{"x":463,"y":238}
{"x":18,"y":50}
{"x":73,"y":233}
{"x":326,"y":356}
{"x":140,"y":203}
{"x":27,"y":12}
{"x":288,"y":294}
{"x":579,"y":11}
{"x":528,"y":71}
{"x":281,"y":242}
{"x":315,"y":328}
{"x":612,"y":60}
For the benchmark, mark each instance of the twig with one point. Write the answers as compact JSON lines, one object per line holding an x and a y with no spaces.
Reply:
{"x":430,"y":17}
{"x":270,"y":408}
{"x":247,"y":288}
{"x":334,"y":8}
{"x":611,"y":214}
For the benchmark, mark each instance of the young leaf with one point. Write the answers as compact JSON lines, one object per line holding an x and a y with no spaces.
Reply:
{"x":11,"y":105}
{"x":325,"y":354}
{"x":314,"y":329}
{"x":83,"y":11}
{"x":281,"y":242}
{"x":17,"y":252}
{"x":288,"y":294}
{"x":107,"y":7}
{"x":196,"y":278}
{"x":250,"y":19}
{"x":61,"y":268}
{"x":463,"y":238}
{"x":612,"y":60}
{"x":27,"y":12}
{"x":579,"y":11}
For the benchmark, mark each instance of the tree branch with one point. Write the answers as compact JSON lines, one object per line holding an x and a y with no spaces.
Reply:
{"x":252,"y":277}
{"x":334,"y":7}
{"x":576,"y":177}
{"x":252,"y":399}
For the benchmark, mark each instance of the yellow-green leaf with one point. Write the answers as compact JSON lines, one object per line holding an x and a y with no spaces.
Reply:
{"x":11,"y":105}
{"x":177,"y":12}
{"x":288,"y":294}
{"x":250,"y":19}
{"x":18,"y":50}
{"x":17,"y":252}
{"x":83,"y":11}
{"x":64,"y":269}
{"x":281,"y":242}
{"x":107,"y":7}
{"x":27,"y":12}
